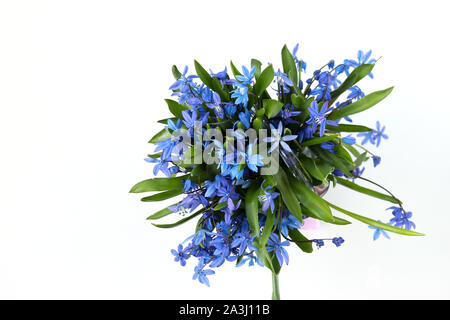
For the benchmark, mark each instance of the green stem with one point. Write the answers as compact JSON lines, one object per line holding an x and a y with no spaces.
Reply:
{"x":275,"y":287}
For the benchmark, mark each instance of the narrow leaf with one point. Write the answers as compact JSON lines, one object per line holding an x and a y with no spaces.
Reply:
{"x":358,"y":106}
{"x":272,"y":107}
{"x":289,"y":197}
{"x":264,"y":80}
{"x":369,"y":192}
{"x":162,"y":195}
{"x":318,"y":140}
{"x":375,"y":223}
{"x":301,"y":241}
{"x":172,"y":225}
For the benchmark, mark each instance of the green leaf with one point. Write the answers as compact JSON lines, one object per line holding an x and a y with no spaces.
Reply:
{"x":357,"y":74}
{"x":176,"y":73}
{"x":334,"y":160}
{"x":163,"y":195}
{"x":310,"y":200}
{"x":160,"y":136}
{"x":369,"y":192}
{"x":348,"y":128}
{"x":358,"y":106}
{"x":252,"y":207}
{"x":287,"y":194}
{"x":336,"y":220}
{"x":175,"y":108}
{"x":289,"y":66}
{"x":210,"y":82}
{"x":319,"y":140}
{"x":220,"y":206}
{"x":342,"y":153}
{"x":264,"y":80}
{"x":160,"y":214}
{"x":164,"y":121}
{"x":272,"y":107}
{"x":375,"y":223}
{"x":235,"y":70}
{"x":301,"y":241}
{"x":256,"y":63}
{"x":270,"y":220}
{"x":158,"y":184}
{"x":171,"y":225}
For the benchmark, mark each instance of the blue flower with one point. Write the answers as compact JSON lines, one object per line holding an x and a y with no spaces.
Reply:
{"x":349,"y":140}
{"x":357,"y":173}
{"x":306,"y":133}
{"x":318,"y":117}
{"x":243,"y":239}
{"x":319,"y":243}
{"x":222,"y":75}
{"x":216,"y":105}
{"x":241,"y":93}
{"x":230,"y":208}
{"x":274,"y":244}
{"x":253,"y":160}
{"x":289,"y":221}
{"x":378,"y":232}
{"x":200,"y":274}
{"x":276,"y":139}
{"x":248,"y":75}
{"x":338,"y":241}
{"x":374,"y":136}
{"x":401,"y":218}
{"x":180,"y":255}
{"x":251,"y":261}
{"x":378,"y":134}
{"x":267,"y":199}
{"x":245,"y":116}
{"x":328,"y":145}
{"x":363,"y":58}
{"x":376,"y":160}
{"x":355,"y":93}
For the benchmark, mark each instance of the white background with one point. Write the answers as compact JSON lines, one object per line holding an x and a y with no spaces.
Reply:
{"x":82,"y":85}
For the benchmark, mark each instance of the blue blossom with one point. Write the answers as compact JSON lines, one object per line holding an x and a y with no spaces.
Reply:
{"x":376,"y":160}
{"x":243,"y":239}
{"x":401,"y":218}
{"x":363,"y":58}
{"x":319,"y":243}
{"x":318,"y":117}
{"x":357,"y":173}
{"x":289,"y":221}
{"x":378,"y":232}
{"x":355,"y":93}
{"x":251,"y":259}
{"x":200,"y":274}
{"x":267,"y":199}
{"x":240,"y":93}
{"x":180,"y":255}
{"x":248,"y":75}
{"x":287,"y":113}
{"x":349,"y":140}
{"x":338,"y":241}
{"x":328,"y":145}
{"x":230,"y":208}
{"x":277,"y":139}
{"x":216,"y":105}
{"x":378,"y":134}
{"x":222,"y":75}
{"x":305,"y":134}
{"x":275,"y":244}
{"x":284,"y":81}
{"x":245,"y":116}
{"x":253,"y":160}
{"x":374,"y":136}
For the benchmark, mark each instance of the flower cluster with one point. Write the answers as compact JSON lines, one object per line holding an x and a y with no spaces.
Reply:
{"x":250,"y":206}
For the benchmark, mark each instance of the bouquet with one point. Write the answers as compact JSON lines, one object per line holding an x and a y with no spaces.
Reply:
{"x":250,"y":155}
